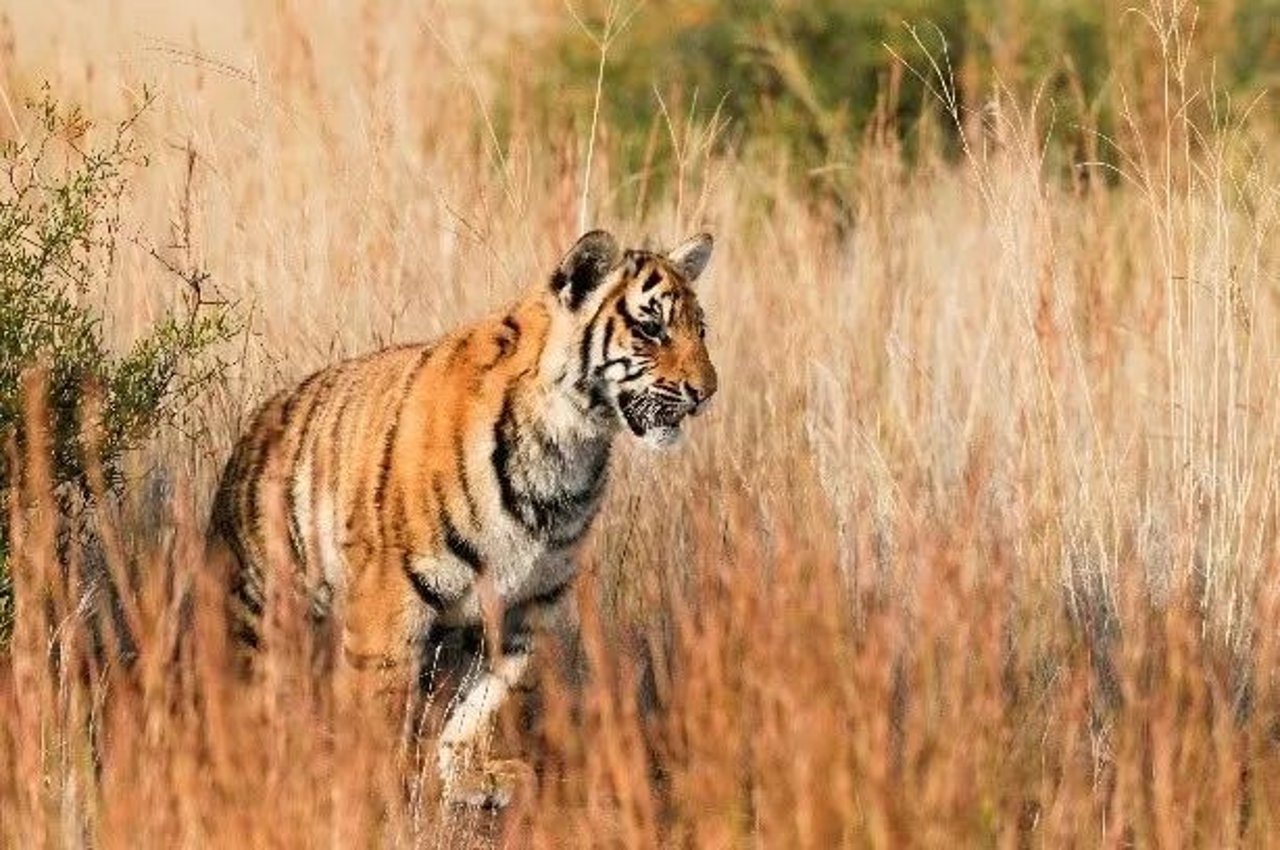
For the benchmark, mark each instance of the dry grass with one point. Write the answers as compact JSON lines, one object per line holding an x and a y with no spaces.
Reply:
{"x":978,"y":545}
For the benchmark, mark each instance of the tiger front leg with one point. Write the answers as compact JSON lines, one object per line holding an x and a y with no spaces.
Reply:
{"x":467,"y":775}
{"x":486,"y":784}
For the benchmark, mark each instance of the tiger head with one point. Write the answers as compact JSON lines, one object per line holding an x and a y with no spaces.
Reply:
{"x":641,"y":355}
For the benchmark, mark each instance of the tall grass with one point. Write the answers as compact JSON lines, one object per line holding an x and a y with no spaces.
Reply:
{"x":978,"y":544}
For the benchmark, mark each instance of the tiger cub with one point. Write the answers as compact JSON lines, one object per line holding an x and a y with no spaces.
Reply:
{"x":407,"y":484}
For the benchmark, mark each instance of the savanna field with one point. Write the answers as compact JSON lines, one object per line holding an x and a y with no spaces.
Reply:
{"x":978,"y":545}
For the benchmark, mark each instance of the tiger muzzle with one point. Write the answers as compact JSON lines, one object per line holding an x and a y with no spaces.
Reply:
{"x":649,"y":412}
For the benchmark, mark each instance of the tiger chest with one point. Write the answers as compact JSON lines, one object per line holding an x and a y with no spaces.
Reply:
{"x":550,"y":492}
{"x":543,"y":495}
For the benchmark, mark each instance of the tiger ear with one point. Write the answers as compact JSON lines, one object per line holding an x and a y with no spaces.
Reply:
{"x":588,"y":262}
{"x":691,"y":256}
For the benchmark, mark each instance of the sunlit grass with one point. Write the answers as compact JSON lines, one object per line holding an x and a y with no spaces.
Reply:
{"x":977,"y":544}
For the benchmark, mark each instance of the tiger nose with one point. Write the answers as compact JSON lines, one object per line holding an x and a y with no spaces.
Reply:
{"x":700,"y":393}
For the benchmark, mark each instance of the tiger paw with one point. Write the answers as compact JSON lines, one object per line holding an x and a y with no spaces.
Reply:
{"x":494,"y":786}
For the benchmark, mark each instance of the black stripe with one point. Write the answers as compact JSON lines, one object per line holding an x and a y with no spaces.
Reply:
{"x":591,"y":326}
{"x":558,"y":281}
{"x":460,"y":547}
{"x":398,"y":515}
{"x":629,"y":320}
{"x":334,"y":389}
{"x":253,"y":458}
{"x":551,"y":596}
{"x":335,"y":437}
{"x":291,"y":400}
{"x":384,"y":466}
{"x":506,"y":339}
{"x":388,"y":448}
{"x":505,"y":434}
{"x":262,"y":449}
{"x":507,"y":344}
{"x":317,"y":466}
{"x":633,"y":375}
{"x":422,"y":587}
{"x":664,"y":391}
{"x":586,"y":377}
{"x":584,"y":353}
{"x":582,"y":281}
{"x":655,"y":278}
{"x":464,"y":483}
{"x":597,"y":398}
{"x":244,"y":590}
{"x":459,"y":350}
{"x":246,"y":635}
{"x":506,"y":437}
{"x":609,"y":325}
{"x":615,"y":361}
{"x":225,"y":528}
{"x":291,"y":501}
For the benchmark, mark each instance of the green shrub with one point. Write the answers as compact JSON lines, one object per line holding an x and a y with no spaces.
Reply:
{"x":61,"y":187}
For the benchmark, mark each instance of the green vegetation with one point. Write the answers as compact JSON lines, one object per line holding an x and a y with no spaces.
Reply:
{"x":60,"y":201}
{"x":808,"y":79}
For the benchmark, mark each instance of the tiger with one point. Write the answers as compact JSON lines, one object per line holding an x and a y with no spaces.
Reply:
{"x":411,"y":486}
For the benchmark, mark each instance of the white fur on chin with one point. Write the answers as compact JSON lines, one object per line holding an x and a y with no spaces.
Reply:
{"x":661,"y":436}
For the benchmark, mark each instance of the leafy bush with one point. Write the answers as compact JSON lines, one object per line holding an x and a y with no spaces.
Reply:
{"x":60,"y":200}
